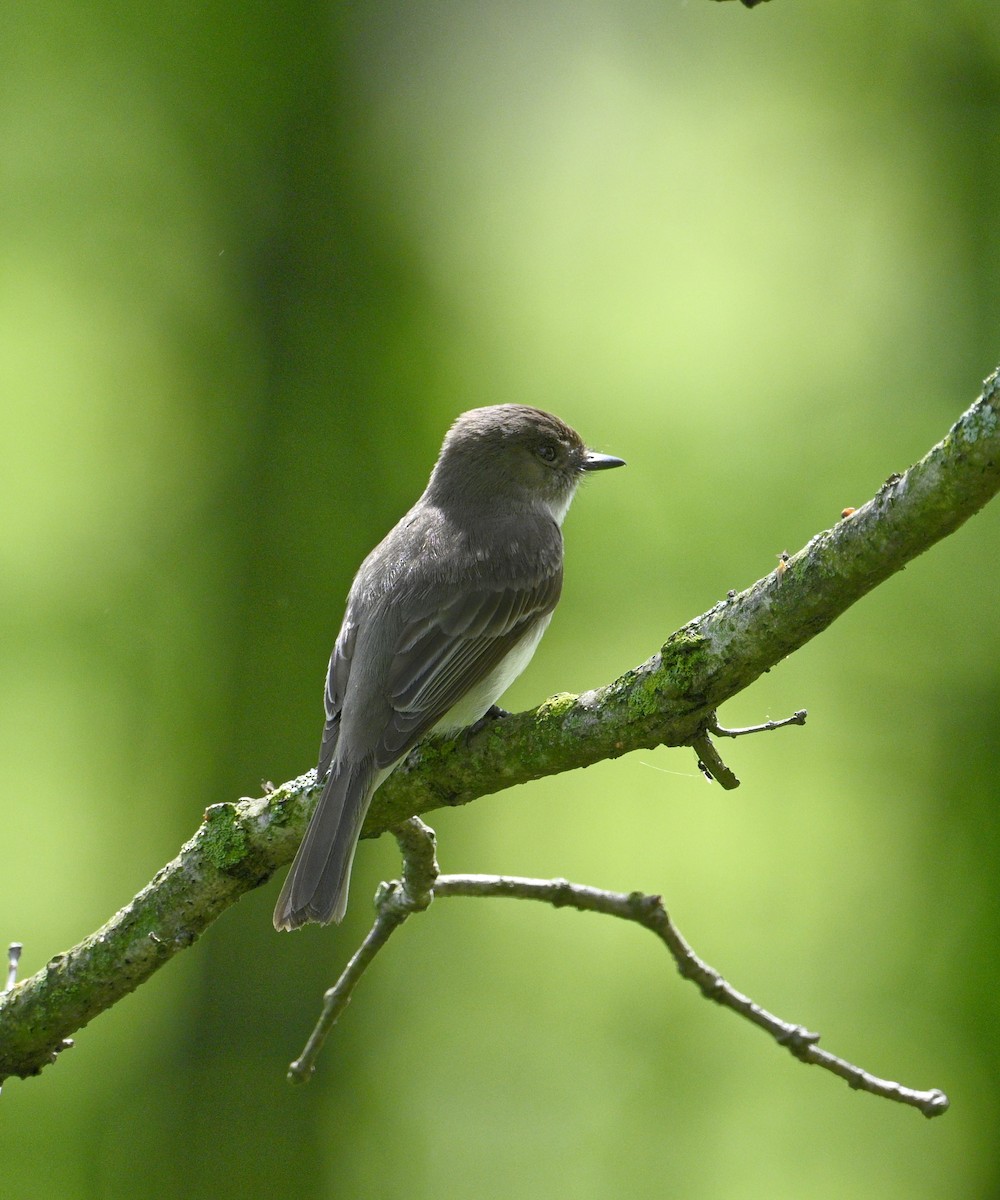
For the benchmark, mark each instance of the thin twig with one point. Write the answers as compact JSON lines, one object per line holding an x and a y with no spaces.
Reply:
{"x":649,"y":912}
{"x":710,"y":760}
{"x":798,"y":718}
{"x":418,"y":845}
{"x":394,"y":902}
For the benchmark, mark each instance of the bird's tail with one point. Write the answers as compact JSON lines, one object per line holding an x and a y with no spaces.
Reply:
{"x":316,"y":887}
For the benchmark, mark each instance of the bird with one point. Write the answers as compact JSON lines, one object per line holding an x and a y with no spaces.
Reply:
{"x":443,"y":615}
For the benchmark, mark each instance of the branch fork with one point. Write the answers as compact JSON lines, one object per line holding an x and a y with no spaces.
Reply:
{"x":397,"y":900}
{"x":710,"y":761}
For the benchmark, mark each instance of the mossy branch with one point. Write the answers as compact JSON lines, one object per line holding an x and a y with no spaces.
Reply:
{"x":668,"y":700}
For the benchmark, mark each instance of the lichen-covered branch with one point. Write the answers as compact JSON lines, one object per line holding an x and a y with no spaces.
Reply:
{"x":668,"y":700}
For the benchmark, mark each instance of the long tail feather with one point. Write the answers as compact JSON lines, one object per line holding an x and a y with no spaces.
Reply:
{"x":317,"y":884}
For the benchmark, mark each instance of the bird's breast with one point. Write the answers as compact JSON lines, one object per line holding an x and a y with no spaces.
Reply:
{"x":480,"y":699}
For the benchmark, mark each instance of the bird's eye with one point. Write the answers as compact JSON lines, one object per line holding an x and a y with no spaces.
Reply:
{"x":547,"y":452}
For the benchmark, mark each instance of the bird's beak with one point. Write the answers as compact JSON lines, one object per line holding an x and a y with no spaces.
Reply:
{"x":592,"y":461}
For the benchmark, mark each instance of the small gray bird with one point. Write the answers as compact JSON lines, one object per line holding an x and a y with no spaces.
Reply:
{"x":442,"y":617}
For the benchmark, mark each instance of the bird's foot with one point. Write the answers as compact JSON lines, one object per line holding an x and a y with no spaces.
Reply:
{"x":493,"y":713}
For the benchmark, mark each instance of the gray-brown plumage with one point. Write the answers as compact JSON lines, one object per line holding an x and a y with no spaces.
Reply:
{"x":443,"y":615}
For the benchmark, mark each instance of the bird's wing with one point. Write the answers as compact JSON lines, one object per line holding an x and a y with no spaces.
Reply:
{"x":442,"y":655}
{"x":333,"y":697}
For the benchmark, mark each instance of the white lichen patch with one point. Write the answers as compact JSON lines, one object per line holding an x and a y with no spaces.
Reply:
{"x":978,"y":423}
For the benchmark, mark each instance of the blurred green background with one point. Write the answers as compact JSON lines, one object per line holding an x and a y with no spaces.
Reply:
{"x":253,"y":260}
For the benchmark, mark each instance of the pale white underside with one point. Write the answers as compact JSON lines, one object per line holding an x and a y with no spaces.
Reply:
{"x":480,"y":699}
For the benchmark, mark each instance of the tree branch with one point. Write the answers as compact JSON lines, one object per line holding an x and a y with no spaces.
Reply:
{"x":422,"y":882}
{"x":649,"y":912}
{"x":668,"y":700}
{"x":394,"y":902}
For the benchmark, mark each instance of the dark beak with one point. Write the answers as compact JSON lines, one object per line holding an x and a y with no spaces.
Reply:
{"x":592,"y":461}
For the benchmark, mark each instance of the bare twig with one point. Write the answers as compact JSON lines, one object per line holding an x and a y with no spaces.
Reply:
{"x":418,"y":845}
{"x":649,"y":912}
{"x":798,"y":718}
{"x":394,"y":902}
{"x":710,"y":760}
